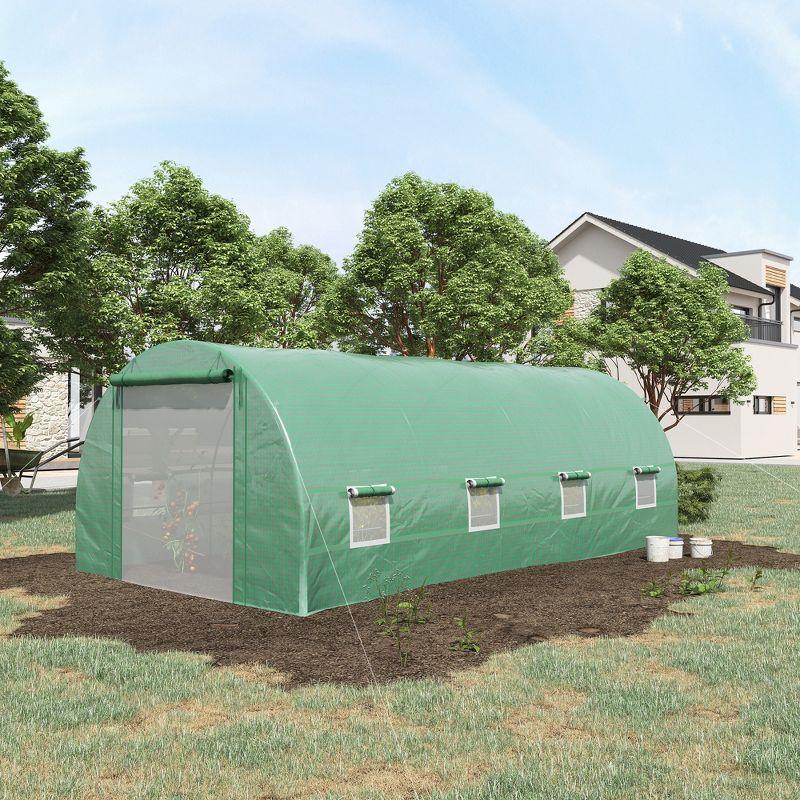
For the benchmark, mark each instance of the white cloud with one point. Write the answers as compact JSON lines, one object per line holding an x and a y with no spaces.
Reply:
{"x":771,"y":29}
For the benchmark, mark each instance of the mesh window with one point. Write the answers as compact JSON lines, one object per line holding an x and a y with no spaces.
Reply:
{"x":645,"y":491}
{"x":573,"y":499}
{"x":484,"y":507}
{"x":177,"y":465}
{"x":369,"y":521}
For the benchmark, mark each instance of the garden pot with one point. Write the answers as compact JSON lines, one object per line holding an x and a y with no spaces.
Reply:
{"x":675,"y":547}
{"x":658,"y":548}
{"x":700,"y":546}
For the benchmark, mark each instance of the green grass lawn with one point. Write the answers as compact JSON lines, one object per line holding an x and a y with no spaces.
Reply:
{"x":40,"y":522}
{"x":705,"y":704}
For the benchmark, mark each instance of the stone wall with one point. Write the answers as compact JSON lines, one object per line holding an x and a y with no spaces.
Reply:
{"x":49,"y":404}
{"x":585,"y":302}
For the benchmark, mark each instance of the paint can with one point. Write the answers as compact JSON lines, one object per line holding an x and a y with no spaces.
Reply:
{"x":700,"y":546}
{"x":658,"y":548}
{"x":675,"y":547}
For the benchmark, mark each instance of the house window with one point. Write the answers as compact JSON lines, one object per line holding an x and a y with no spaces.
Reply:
{"x":645,"y":478}
{"x":573,"y":493}
{"x":483,"y":503}
{"x":742,"y":311}
{"x":762,"y":404}
{"x":369,"y":514}
{"x":703,"y":405}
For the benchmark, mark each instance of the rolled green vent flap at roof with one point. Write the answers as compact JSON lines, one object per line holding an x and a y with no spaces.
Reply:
{"x":378,"y":490}
{"x":649,"y":470}
{"x":475,"y":483}
{"x":575,"y":475}
{"x":168,"y":378}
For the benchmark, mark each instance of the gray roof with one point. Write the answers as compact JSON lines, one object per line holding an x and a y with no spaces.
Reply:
{"x":692,"y":254}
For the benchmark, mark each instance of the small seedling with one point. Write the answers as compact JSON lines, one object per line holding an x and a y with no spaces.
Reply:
{"x":705,"y":580}
{"x":755,"y":580}
{"x":466,"y":643}
{"x":399,"y":610}
{"x":654,"y":588}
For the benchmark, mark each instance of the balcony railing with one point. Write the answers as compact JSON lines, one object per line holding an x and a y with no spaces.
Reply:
{"x":768,"y":330}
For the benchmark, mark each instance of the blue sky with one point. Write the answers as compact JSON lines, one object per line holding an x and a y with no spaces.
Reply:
{"x":679,"y":116}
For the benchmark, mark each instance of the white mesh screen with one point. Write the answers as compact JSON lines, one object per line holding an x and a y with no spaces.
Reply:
{"x":177,"y":464}
{"x":369,"y":521}
{"x":573,"y":498}
{"x":645,"y":491}
{"x":484,"y":507}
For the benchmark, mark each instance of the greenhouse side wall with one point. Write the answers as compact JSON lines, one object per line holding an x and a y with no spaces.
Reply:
{"x":426,"y":446}
{"x":94,"y":502}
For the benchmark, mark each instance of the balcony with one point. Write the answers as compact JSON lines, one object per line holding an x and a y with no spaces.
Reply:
{"x":767,"y":330}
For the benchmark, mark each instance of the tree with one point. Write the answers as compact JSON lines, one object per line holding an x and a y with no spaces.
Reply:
{"x":171,"y":260}
{"x":293,"y":281}
{"x":42,"y":198}
{"x":674,"y":331}
{"x":439,"y":271}
{"x":21,"y":368}
{"x":566,"y":343}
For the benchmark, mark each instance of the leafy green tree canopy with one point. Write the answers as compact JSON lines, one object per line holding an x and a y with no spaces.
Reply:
{"x":21,"y":367}
{"x":675,"y":331}
{"x":42,"y":198}
{"x":292,"y":282}
{"x":439,"y":271}
{"x":566,"y":343}
{"x":167,"y":261}
{"x":171,"y":260}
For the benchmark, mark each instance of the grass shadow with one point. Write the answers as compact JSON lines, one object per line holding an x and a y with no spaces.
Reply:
{"x":38,"y":503}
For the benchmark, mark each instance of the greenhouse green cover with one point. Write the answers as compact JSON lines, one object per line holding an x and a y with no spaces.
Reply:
{"x":307,"y":425}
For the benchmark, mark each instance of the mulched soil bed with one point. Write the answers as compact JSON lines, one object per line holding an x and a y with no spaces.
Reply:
{"x":600,"y":597}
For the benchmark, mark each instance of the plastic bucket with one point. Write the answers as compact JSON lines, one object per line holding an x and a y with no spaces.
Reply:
{"x":658,"y":548}
{"x":700,"y":546}
{"x":675,"y":547}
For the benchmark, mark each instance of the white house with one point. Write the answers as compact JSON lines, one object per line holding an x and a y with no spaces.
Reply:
{"x":592,"y":249}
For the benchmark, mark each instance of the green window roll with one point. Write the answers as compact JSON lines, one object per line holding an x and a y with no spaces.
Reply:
{"x":575,"y":475}
{"x":378,"y":490}
{"x":649,"y":470}
{"x":493,"y":480}
{"x":169,"y":378}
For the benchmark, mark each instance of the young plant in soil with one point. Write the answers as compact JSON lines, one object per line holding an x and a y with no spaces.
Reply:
{"x":653,"y":589}
{"x":755,"y":580}
{"x":399,"y":611}
{"x":705,"y":580}
{"x":656,"y":588}
{"x":466,"y":643}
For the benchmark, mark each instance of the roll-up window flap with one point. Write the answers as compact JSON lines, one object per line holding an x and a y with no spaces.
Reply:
{"x":492,"y":480}
{"x":375,"y":490}
{"x":647,"y":470}
{"x":169,"y":378}
{"x":575,"y":475}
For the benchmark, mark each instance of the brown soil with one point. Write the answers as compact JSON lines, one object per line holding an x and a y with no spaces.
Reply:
{"x":599,"y":597}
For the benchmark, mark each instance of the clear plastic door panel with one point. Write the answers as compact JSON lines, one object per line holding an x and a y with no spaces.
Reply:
{"x":177,"y":471}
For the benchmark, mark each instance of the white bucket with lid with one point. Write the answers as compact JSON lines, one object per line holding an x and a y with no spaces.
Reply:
{"x":700,"y":546}
{"x":658,"y":548}
{"x":675,"y":547}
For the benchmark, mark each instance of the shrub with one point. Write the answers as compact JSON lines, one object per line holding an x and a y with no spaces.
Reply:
{"x":698,"y":489}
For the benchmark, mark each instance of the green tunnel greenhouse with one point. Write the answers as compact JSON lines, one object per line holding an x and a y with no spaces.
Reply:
{"x":289,"y":479}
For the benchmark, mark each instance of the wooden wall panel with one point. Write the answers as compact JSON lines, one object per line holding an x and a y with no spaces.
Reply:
{"x":775,"y":277}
